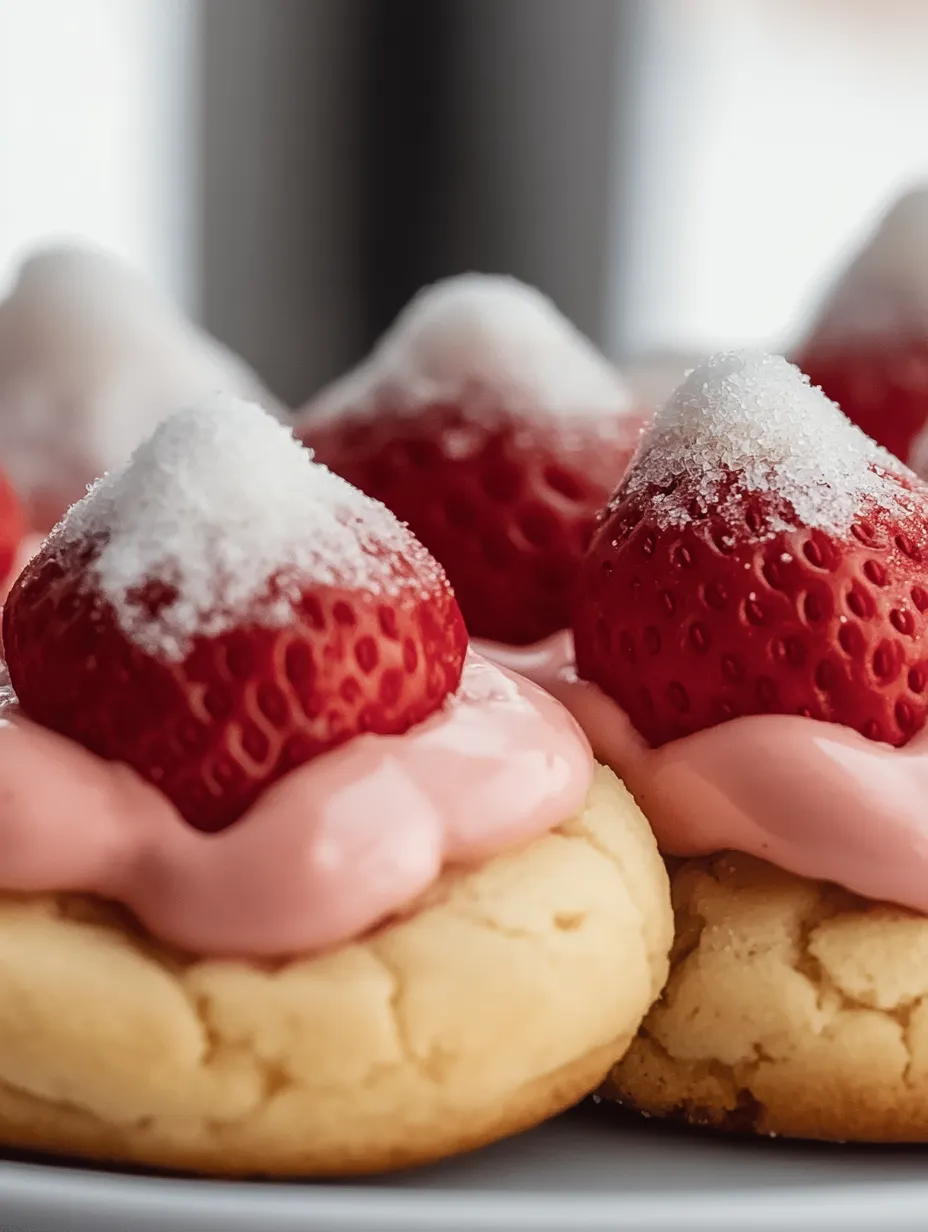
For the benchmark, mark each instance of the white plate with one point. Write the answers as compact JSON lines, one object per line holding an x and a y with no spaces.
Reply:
{"x":593,"y":1171}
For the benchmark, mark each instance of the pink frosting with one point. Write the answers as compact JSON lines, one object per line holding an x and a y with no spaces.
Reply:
{"x":814,"y":798}
{"x":327,"y":853}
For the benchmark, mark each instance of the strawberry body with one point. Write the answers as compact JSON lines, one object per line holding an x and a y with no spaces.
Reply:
{"x":215,"y":728}
{"x":490,"y":425}
{"x":881,"y":385}
{"x":762,"y":556}
{"x":688,"y":627}
{"x":223,"y":610}
{"x":868,"y":346}
{"x":505,"y":502}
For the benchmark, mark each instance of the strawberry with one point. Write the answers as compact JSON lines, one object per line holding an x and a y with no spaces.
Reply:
{"x":868,"y":348}
{"x":224,"y":610}
{"x":761,"y":556}
{"x":491,"y":427}
{"x":882,"y":386}
{"x":12,"y":527}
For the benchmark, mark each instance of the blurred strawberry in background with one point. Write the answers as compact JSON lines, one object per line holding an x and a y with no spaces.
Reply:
{"x":868,"y":349}
{"x":12,"y":529}
{"x":91,"y":360}
{"x":497,"y":431}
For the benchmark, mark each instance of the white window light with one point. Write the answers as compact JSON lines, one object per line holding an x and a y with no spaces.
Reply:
{"x":96,"y":123}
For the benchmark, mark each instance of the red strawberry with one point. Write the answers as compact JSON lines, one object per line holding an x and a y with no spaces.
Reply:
{"x":12,"y":527}
{"x":494,"y":430}
{"x":224,"y":610}
{"x":881,"y":386}
{"x":759,"y":558}
{"x":868,"y":350}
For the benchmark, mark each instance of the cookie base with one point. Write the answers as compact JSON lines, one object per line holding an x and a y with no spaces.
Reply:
{"x":793,"y":1008}
{"x":503,"y":999}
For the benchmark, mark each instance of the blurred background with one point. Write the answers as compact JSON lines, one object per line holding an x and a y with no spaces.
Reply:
{"x":675,"y":173}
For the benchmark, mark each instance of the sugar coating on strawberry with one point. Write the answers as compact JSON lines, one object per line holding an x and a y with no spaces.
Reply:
{"x":491,"y":426}
{"x":91,"y":359}
{"x":745,"y":422}
{"x":883,"y":293}
{"x":868,"y":349}
{"x":761,"y":556}
{"x":489,"y":344}
{"x":224,"y":609}
{"x":217,"y":502}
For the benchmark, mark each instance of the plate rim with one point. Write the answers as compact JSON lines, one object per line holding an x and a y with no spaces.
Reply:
{"x":32,"y":1190}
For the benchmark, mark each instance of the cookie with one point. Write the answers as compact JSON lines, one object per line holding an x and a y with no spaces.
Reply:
{"x":502,"y":999}
{"x":793,"y":1008}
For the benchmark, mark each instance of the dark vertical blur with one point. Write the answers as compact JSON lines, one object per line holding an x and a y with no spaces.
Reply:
{"x":353,"y":150}
{"x":282,"y":191}
{"x":489,"y":144}
{"x":410,"y":50}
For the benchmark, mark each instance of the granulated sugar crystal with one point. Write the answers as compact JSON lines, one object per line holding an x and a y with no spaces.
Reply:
{"x":218,"y":501}
{"x":754,"y":419}
{"x":485,"y":342}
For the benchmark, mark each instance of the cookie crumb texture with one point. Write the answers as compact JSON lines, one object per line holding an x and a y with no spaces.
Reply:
{"x":502,"y":1001}
{"x":793,"y":1008}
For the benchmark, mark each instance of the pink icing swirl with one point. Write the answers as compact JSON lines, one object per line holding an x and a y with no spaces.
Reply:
{"x":327,"y":853}
{"x":814,"y":798}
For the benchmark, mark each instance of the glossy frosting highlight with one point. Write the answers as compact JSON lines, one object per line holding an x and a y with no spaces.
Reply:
{"x":330,"y":851}
{"x":816,"y":799}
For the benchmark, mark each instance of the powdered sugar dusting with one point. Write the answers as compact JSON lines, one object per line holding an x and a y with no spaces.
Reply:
{"x":884,"y":291}
{"x":756,"y":419}
{"x":220,"y":500}
{"x":487,"y":343}
{"x":84,"y":280}
{"x":91,"y":359}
